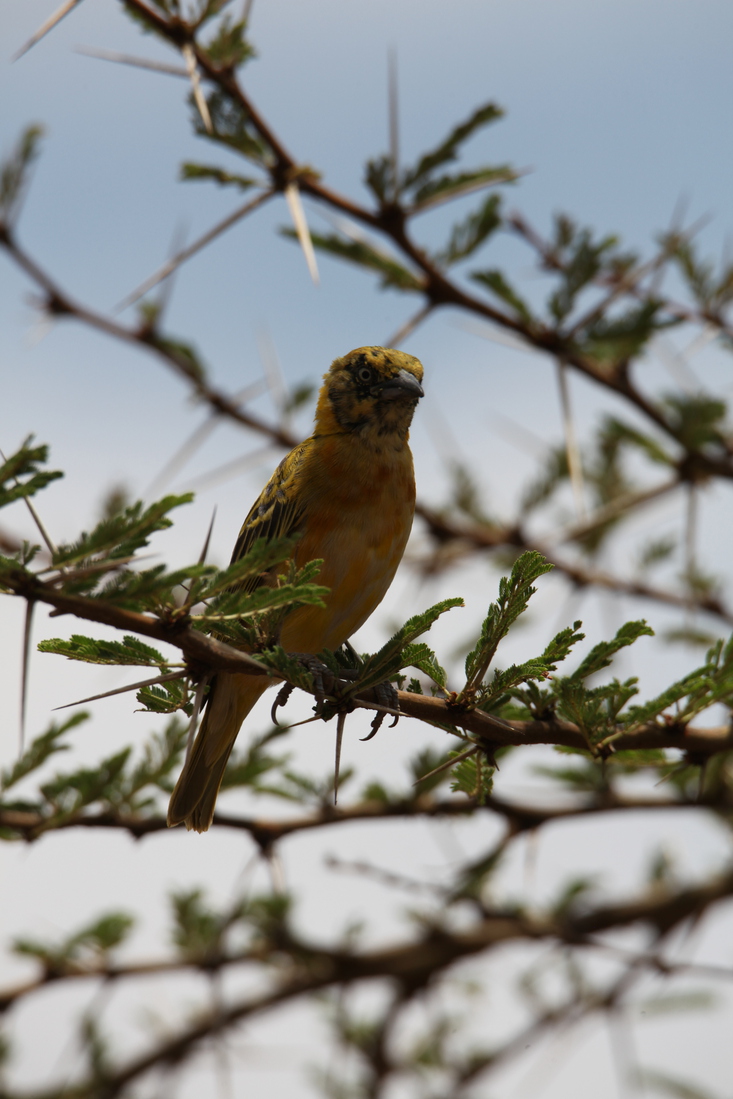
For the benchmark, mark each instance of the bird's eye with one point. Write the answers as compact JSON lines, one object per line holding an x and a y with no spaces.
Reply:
{"x":364,"y":374}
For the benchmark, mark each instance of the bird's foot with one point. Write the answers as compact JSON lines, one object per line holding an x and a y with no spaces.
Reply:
{"x":325,"y":681}
{"x":385,"y":694}
{"x":281,"y":699}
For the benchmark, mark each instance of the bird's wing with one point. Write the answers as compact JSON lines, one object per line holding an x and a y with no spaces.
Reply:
{"x":278,"y":512}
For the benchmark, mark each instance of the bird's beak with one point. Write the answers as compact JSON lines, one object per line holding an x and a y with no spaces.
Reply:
{"x":403,"y":386}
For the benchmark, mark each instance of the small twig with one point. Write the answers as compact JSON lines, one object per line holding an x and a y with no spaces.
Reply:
{"x":197,"y":438}
{"x":691,"y":533}
{"x":274,"y":378}
{"x":165,"y":678}
{"x":277,"y":873}
{"x":410,"y":325}
{"x":50,"y":546}
{"x":622,"y":505}
{"x":297,"y":213}
{"x":193,"y":75}
{"x":197,"y":703}
{"x":58,"y":303}
{"x":230,"y":469}
{"x":340,"y":723}
{"x":394,"y":123}
{"x":384,"y":877}
{"x":449,"y":763}
{"x":27,"y":631}
{"x":137,"y":62}
{"x":43,"y":30}
{"x":575,"y":467}
{"x":176,"y":261}
{"x":207,"y":540}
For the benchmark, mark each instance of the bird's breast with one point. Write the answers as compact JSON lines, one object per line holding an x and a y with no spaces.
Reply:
{"x":359,"y":512}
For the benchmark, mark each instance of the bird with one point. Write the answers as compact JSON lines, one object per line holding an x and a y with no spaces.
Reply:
{"x":348,"y":491}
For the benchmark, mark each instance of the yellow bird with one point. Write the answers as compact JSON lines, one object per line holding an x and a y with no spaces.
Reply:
{"x":349,"y":491}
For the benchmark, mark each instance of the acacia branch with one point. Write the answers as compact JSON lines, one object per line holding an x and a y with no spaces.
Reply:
{"x":391,"y":220}
{"x":482,"y":536}
{"x":32,"y":824}
{"x":695,"y":741}
{"x":58,"y":303}
{"x":411,"y":964}
{"x":209,"y":653}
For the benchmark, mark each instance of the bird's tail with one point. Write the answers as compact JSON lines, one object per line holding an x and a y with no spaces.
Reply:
{"x":231,"y":697}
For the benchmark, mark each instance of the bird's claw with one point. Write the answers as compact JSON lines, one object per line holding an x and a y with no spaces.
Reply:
{"x":281,"y":699}
{"x":385,"y":695}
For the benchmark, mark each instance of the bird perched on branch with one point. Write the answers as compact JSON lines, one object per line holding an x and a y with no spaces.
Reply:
{"x":349,"y":492}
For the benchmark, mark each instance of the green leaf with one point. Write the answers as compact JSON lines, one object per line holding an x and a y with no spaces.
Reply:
{"x":131,"y":650}
{"x":14,"y":172}
{"x":539,"y":668}
{"x":614,"y":430}
{"x":364,"y":255}
{"x":672,"y":1086}
{"x":378,"y":177}
{"x":40,"y":749}
{"x":166,"y":698}
{"x":423,"y":658}
{"x":123,"y":534}
{"x":444,"y":188}
{"x":595,"y":710}
{"x":197,"y":929}
{"x":514,"y":594}
{"x":247,"y":571}
{"x":229,"y":47}
{"x":287,"y":667}
{"x":96,"y":939}
{"x":673,"y":1002}
{"x":391,"y":657}
{"x":600,"y":655}
{"x":427,"y":760}
{"x":710,"y":292}
{"x":573,"y":896}
{"x":696,"y":419}
{"x":246,"y":768}
{"x":232,"y":127}
{"x":237,"y":606}
{"x":20,"y":476}
{"x":473,"y":776}
{"x":657,"y":550}
{"x":449,"y":147}
{"x":161,"y":754}
{"x":69,"y":793}
{"x":183,"y":354}
{"x":192,"y":171}
{"x":106,"y":933}
{"x":469,"y":234}
{"x":498,"y":284}
{"x":613,"y":339}
{"x":580,"y":259}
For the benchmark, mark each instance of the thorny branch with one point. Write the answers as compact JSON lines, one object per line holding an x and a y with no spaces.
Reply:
{"x":411,"y":965}
{"x":391,"y":220}
{"x":30,"y":825}
{"x":442,"y":528}
{"x":201,"y":649}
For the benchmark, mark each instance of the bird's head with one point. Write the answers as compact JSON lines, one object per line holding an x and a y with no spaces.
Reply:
{"x":372,"y":391}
